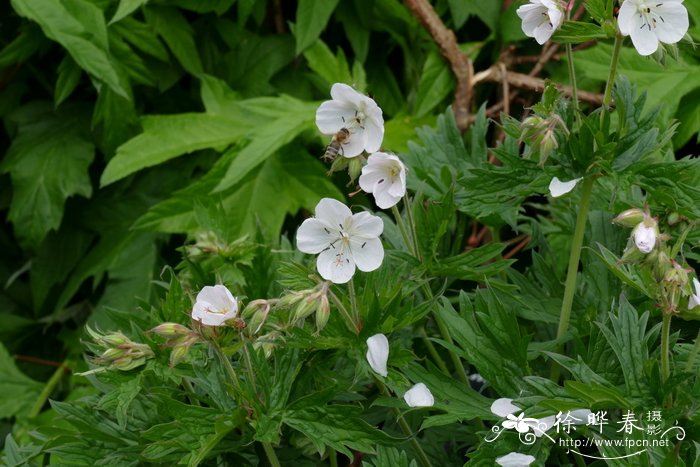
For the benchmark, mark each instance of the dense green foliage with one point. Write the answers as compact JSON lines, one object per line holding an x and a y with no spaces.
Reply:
{"x":152,"y":148}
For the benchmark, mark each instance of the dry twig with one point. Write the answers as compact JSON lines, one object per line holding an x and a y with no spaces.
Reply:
{"x":459,"y":61}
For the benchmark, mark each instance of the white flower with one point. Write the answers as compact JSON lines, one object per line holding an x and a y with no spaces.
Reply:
{"x":558,"y":188}
{"x":541,"y":18}
{"x":356,"y":112}
{"x":515,"y":459}
{"x":694,"y":298}
{"x":649,"y":22}
{"x":645,"y":235}
{"x":214,"y":305}
{"x":419,"y":396}
{"x":378,"y":353}
{"x":385,"y":177}
{"x":343,"y":239}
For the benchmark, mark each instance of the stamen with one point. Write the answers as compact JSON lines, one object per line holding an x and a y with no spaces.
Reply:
{"x":380,"y":181}
{"x":327,"y":231}
{"x":363,"y":245}
{"x":341,"y":226}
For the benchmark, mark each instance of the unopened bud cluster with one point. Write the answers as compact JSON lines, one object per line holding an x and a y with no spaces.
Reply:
{"x":540,"y":135}
{"x":647,"y":247}
{"x":116,"y":351}
{"x":180,"y":338}
{"x":305,"y":303}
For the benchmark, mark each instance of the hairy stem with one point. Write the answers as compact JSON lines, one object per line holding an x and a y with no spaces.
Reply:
{"x":349,"y":321}
{"x":433,"y":352}
{"x":405,"y":428}
{"x":48,"y":389}
{"x":412,"y":224}
{"x":402,"y":228}
{"x":271,"y":456}
{"x":607,"y":96}
{"x":574,"y":257}
{"x":353,"y":303}
{"x":666,"y":351}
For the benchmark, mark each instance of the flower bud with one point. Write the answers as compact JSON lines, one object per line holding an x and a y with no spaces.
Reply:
{"x":128,"y":363}
{"x":293,"y":298}
{"x":645,"y":235}
{"x":258,"y":319}
{"x":305,"y":308}
{"x":169,"y":330}
{"x":674,"y":218}
{"x":547,"y":146}
{"x":354,"y":168}
{"x":339,"y":164}
{"x":178,"y":354}
{"x":629,"y":218}
{"x":322,"y":316}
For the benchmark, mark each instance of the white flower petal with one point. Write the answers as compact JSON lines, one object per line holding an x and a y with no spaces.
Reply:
{"x":558,"y":188}
{"x":504,"y":407}
{"x":344,"y":93}
{"x":541,"y":425}
{"x":384,"y":199}
{"x":355,"y":144}
{"x":419,"y":396}
{"x":375,"y":135}
{"x":515,"y":459}
{"x":644,"y":40}
{"x":331,"y":116}
{"x":378,"y":353}
{"x":625,"y":18}
{"x":364,"y":225}
{"x":333,"y":212}
{"x":313,"y":236}
{"x":335,"y":265}
{"x":580,"y":416}
{"x":674,"y":24}
{"x":368,"y":254}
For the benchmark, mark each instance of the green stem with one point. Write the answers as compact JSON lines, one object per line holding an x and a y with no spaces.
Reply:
{"x":572,"y":79}
{"x":412,"y":224}
{"x":226,"y":362}
{"x":574,"y":257}
{"x":208,"y":446}
{"x":665,"y":353}
{"x":333,"y":457}
{"x":402,"y":228}
{"x":693,"y":354}
{"x":428,"y":293}
{"x":433,"y":352}
{"x":48,"y":389}
{"x":405,"y":428}
{"x":353,"y":302}
{"x":271,"y":456}
{"x":607,"y":97}
{"x":349,"y":322}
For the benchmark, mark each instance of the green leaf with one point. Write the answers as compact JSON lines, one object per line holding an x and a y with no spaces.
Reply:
{"x":338,"y":427}
{"x":79,"y":26}
{"x":295,"y":117}
{"x":22,"y":47}
{"x":436,"y":83}
{"x":141,"y":36}
{"x":168,"y":136}
{"x":600,"y":10}
{"x":312,"y":17}
{"x":125,"y":8}
{"x":575,"y":32}
{"x":475,"y":265}
{"x":689,"y":116}
{"x":177,"y":33}
{"x":461,"y":403}
{"x":623,"y":272}
{"x":628,"y":341}
{"x":19,"y":392}
{"x":332,"y":68}
{"x":664,"y":85}
{"x":48,"y":162}
{"x":68,"y":78}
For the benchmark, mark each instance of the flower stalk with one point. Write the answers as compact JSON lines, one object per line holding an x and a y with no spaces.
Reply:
{"x":574,"y":257}
{"x":405,"y":428}
{"x":666,"y":351}
{"x":607,"y":96}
